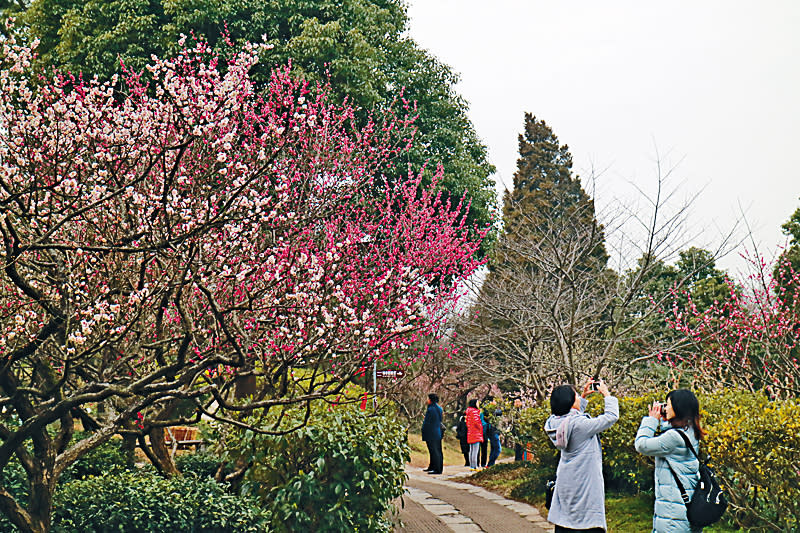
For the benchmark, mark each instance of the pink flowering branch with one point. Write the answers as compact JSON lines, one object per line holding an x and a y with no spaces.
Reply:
{"x":750,"y":339}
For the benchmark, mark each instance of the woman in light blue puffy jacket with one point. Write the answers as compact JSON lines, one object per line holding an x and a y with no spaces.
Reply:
{"x":680,"y":413}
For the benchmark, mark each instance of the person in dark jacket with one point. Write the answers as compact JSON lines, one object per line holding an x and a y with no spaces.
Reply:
{"x":485,"y":442}
{"x":432,"y":434}
{"x":494,"y":438}
{"x":461,"y":433}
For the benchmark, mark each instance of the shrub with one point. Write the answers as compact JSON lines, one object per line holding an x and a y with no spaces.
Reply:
{"x":199,"y":464}
{"x":338,"y":473}
{"x":144,"y":502}
{"x":106,"y":458}
{"x":755,"y":446}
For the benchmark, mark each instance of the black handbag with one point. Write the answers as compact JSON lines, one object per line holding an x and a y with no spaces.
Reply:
{"x":549,"y":489}
{"x":708,"y":503}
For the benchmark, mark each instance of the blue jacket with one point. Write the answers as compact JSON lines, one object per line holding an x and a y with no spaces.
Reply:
{"x":670,"y":512}
{"x":432,"y":425}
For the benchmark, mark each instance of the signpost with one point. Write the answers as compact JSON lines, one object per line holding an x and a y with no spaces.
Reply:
{"x":390,"y":373}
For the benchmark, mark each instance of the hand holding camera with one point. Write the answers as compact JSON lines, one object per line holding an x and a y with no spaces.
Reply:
{"x":595,"y":386}
{"x":658,"y":410}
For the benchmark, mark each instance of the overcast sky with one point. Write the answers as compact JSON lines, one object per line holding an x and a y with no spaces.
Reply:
{"x":712,"y":87}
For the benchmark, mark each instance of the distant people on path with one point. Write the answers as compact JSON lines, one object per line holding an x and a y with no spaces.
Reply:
{"x":474,"y":432}
{"x":579,"y":499}
{"x":494,"y":438}
{"x":432,"y":434}
{"x":461,"y":433}
{"x":681,"y":412}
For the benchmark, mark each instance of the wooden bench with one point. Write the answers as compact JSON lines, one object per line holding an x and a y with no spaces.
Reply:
{"x":181,"y":437}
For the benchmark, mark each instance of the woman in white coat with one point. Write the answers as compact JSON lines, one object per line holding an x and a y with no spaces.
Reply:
{"x":579,"y":498}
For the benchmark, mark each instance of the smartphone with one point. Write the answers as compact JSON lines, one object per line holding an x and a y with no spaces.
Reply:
{"x":595,"y":385}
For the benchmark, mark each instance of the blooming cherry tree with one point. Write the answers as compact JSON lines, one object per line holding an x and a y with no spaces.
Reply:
{"x":162,"y":242}
{"x":751,"y":338}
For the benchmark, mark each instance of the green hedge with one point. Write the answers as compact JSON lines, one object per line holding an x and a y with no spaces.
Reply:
{"x":338,"y":473}
{"x":754,"y":442}
{"x":144,"y":502}
{"x":201,"y":464}
{"x":109,"y":457}
{"x":755,"y":446}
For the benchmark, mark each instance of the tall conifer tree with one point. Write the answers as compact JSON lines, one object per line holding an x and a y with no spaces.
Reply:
{"x":545,"y":191}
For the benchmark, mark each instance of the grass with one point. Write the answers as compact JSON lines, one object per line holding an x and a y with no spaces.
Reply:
{"x":451,"y":450}
{"x":625,"y":513}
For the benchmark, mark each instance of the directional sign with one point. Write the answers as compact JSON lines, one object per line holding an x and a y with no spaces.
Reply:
{"x":391,"y":374}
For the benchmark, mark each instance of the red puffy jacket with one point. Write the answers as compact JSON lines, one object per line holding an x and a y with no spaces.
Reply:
{"x":474,"y":426}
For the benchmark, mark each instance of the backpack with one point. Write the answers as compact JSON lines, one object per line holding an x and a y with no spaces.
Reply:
{"x":461,"y":429}
{"x":708,"y":502}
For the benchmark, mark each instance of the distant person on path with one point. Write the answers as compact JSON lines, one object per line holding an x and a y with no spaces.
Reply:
{"x":485,"y":442}
{"x":494,"y":438}
{"x":432,"y":434}
{"x":461,"y":433}
{"x":681,"y":412}
{"x":474,"y":433}
{"x":579,"y":498}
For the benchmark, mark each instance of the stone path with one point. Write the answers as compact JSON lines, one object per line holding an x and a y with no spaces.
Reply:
{"x":443,"y":504}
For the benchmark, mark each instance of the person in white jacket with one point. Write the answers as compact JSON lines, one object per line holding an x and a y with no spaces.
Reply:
{"x":579,"y":499}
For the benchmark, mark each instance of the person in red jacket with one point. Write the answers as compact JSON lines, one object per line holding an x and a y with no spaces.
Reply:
{"x":474,"y":433}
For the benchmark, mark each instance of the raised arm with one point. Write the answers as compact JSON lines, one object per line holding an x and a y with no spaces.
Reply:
{"x":647,"y":443}
{"x":592,"y":426}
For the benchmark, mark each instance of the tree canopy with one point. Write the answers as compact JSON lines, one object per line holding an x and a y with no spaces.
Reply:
{"x":789,"y":260}
{"x":159,"y":248}
{"x":360,"y":46}
{"x":545,"y":190}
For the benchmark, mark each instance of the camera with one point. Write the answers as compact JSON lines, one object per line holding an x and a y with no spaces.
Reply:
{"x":663,"y":408}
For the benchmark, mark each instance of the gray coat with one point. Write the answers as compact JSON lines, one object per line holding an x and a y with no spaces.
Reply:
{"x":579,"y":497}
{"x":670,"y":511}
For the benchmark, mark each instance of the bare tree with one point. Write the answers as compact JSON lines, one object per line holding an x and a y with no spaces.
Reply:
{"x":551,"y":310}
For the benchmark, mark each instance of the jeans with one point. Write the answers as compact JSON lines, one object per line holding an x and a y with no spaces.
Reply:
{"x":494,"y":440}
{"x":474,"y":448}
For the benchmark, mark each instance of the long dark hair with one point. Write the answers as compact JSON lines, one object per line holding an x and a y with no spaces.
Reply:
{"x":687,"y":411}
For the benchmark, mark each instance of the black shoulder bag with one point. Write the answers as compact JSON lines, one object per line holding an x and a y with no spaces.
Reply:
{"x":550,"y":487}
{"x":708,"y":502}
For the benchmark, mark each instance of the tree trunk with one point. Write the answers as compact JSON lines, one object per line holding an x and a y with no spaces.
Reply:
{"x":163,"y":460}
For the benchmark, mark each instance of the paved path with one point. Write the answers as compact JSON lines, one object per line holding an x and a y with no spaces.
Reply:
{"x":442,"y":504}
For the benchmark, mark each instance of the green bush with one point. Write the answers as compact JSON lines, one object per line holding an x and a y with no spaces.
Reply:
{"x":755,"y":447}
{"x":338,"y":473}
{"x":200,"y":464}
{"x":144,"y":502}
{"x":106,"y":458}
